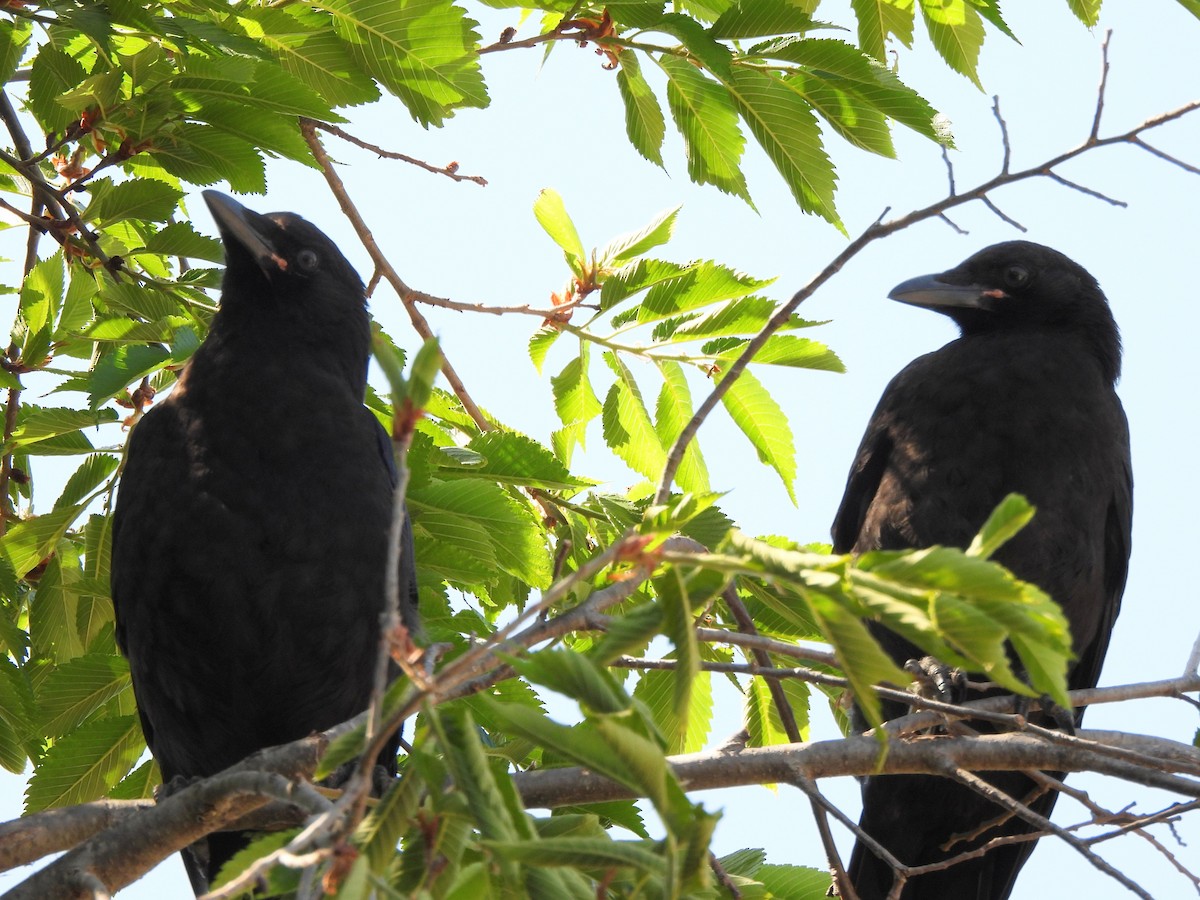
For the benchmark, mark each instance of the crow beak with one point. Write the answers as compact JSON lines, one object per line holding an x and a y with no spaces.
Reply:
{"x":244,"y":228}
{"x":932,"y":292}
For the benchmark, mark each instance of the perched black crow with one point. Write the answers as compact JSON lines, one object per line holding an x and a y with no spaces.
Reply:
{"x":251,"y":530}
{"x":1022,"y":402}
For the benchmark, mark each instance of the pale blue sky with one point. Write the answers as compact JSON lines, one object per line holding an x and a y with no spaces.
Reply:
{"x":563,"y":128}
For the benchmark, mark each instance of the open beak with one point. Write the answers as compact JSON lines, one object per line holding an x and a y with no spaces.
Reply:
{"x":932,"y":292}
{"x":244,"y":228}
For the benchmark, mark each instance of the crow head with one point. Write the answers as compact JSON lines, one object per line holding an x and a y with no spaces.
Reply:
{"x":1020,"y":287}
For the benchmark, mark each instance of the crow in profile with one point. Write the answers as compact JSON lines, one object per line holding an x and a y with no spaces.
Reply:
{"x":1022,"y":402}
{"x":250,"y":536}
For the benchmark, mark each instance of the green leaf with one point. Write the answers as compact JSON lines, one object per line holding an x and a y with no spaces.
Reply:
{"x":181,"y":239}
{"x":644,"y":121}
{"x":540,"y":343}
{"x":754,"y":18}
{"x":576,"y":852}
{"x":551,"y":214}
{"x":85,"y":764}
{"x":138,"y":198}
{"x":687,"y":730}
{"x":846,"y":68}
{"x":787,"y":350}
{"x":53,"y":628}
{"x":14,"y":38}
{"x":628,"y":431}
{"x":1013,"y":514}
{"x":763,"y":421}
{"x":671,"y":414}
{"x":763,"y":721}
{"x":878,"y":20}
{"x":574,"y":399}
{"x":794,"y":882}
{"x":707,"y":119}
{"x":576,"y":676}
{"x":29,"y":541}
{"x":1088,"y":11}
{"x":52,"y":74}
{"x":306,"y":46}
{"x":138,"y":784}
{"x":657,"y":232}
{"x":957,"y":34}
{"x":423,"y":51}
{"x":783,"y":123}
{"x":636,"y":277}
{"x":701,"y":284}
{"x":77,"y":689}
{"x":275,"y":134}
{"x":860,"y":124}
{"x":513,"y":458}
{"x":40,"y":424}
{"x":120,"y":367}
{"x":488,"y":521}
{"x":205,"y":155}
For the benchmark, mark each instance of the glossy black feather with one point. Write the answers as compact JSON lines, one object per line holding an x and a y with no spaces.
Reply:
{"x":251,"y":530}
{"x":1022,"y":402}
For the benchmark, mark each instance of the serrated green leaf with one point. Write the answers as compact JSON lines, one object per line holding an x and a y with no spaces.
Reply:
{"x":85,"y":764}
{"x":1088,"y":11}
{"x":782,"y":122}
{"x":14,"y":38}
{"x":513,"y":458}
{"x":957,"y":34}
{"x":706,"y":117}
{"x":306,"y":46}
{"x":77,"y":689}
{"x":580,"y":852}
{"x":53,"y":630}
{"x":627,"y":429}
{"x":40,"y":424}
{"x":644,"y":121}
{"x":635,"y":277}
{"x":29,"y":541}
{"x":138,"y":198}
{"x":763,"y":421}
{"x":540,"y":343}
{"x":846,"y":68}
{"x":794,"y":882}
{"x":576,"y":676}
{"x":787,"y":350}
{"x":672,"y":412}
{"x":1010,"y":516}
{"x":701,"y":284}
{"x":551,"y":214}
{"x":755,"y":18}
{"x":878,"y":20}
{"x":657,"y":232}
{"x":181,"y":239}
{"x":138,"y":784}
{"x":860,"y":124}
{"x":277,"y":134}
{"x":574,"y":399}
{"x":205,"y":155}
{"x":52,"y":74}
{"x":120,"y":367}
{"x":687,"y":733}
{"x":487,"y":520}
{"x":423,"y":51}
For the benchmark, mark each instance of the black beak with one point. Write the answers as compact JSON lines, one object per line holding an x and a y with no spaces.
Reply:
{"x":932,"y":292}
{"x":246,"y":229}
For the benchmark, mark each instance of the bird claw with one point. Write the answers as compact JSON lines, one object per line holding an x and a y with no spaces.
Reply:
{"x":1062,"y":718}
{"x":938,"y":681}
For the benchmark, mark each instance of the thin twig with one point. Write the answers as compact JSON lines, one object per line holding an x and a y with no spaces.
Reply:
{"x":450,"y":171}
{"x":308,"y":127}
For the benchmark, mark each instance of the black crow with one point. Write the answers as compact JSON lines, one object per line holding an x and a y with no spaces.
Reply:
{"x":1022,"y":402}
{"x":251,"y":530}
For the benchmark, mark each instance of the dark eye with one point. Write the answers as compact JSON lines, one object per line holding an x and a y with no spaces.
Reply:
{"x":1016,"y":276}
{"x":308,"y":260}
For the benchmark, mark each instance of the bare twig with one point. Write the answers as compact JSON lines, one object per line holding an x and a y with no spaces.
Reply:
{"x":308,"y":127}
{"x":450,"y":171}
{"x":880,"y":229}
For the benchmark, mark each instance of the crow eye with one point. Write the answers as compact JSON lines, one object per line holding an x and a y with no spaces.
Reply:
{"x":308,"y":260}
{"x":1016,"y":276}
